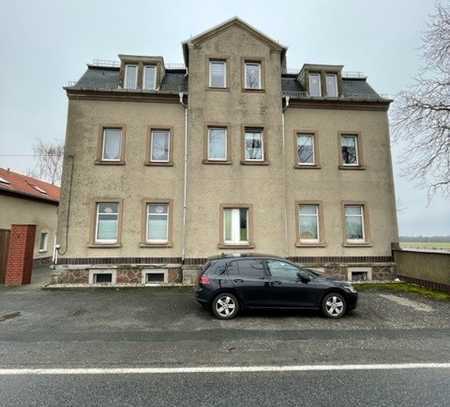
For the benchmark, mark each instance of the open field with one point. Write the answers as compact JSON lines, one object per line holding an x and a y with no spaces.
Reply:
{"x":426,"y":245}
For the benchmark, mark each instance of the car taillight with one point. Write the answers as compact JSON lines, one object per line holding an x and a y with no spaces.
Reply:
{"x":204,"y":280}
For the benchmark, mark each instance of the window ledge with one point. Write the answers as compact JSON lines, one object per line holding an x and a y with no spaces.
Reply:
{"x":307,"y":167}
{"x":248,"y":162}
{"x":352,"y":167}
{"x":318,"y":244}
{"x":156,"y":164}
{"x":100,"y":162}
{"x":364,"y":244}
{"x":155,"y":245}
{"x":104,"y":245}
{"x":217,"y":162}
{"x":236,"y":246}
{"x":216,"y":88}
{"x":43,"y":250}
{"x":247,"y":90}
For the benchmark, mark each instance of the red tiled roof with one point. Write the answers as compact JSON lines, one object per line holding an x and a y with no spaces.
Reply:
{"x":28,"y":186}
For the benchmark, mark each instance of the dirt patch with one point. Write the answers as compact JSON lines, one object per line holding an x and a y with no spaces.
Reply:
{"x":9,"y":316}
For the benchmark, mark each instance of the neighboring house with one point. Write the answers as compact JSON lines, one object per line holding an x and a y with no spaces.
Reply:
{"x":27,"y":200}
{"x":165,"y":167}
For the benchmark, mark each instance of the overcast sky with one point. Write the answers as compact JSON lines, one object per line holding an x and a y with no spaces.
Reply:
{"x":45,"y":44}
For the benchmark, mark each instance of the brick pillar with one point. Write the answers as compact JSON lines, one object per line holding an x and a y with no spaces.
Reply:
{"x":20,"y":255}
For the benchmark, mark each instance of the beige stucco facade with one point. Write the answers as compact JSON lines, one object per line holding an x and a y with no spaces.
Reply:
{"x":19,"y":210}
{"x":270,"y":189}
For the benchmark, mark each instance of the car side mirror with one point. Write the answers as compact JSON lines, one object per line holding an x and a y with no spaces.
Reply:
{"x":303,"y":278}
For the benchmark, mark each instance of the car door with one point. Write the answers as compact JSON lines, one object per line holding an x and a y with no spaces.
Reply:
{"x":288,"y":285}
{"x":251,"y":281}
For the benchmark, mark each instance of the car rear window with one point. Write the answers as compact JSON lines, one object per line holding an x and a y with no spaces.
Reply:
{"x":251,"y":268}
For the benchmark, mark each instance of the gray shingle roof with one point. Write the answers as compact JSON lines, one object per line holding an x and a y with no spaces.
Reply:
{"x":351,"y":88}
{"x":108,"y":79}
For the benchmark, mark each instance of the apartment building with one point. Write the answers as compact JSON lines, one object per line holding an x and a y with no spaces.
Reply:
{"x":231,"y":153}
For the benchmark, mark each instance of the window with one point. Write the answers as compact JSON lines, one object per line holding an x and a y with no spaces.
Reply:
{"x":157,"y":223}
{"x":154,"y":276}
{"x":253,"y":145}
{"x":349,"y":149}
{"x":308,"y":223}
{"x":149,"y":77}
{"x":251,"y":269}
{"x":282,"y":270}
{"x":331,"y":82}
{"x":235,"y":226}
{"x":43,"y":242}
{"x":305,"y":149}
{"x":102,"y":277}
{"x":160,"y":146}
{"x":354,"y":223}
{"x":131,"y":72}
{"x":217,"y":144}
{"x":315,"y":87}
{"x":217,"y":74}
{"x":107,"y":222}
{"x":252,"y":73}
{"x":112,"y":144}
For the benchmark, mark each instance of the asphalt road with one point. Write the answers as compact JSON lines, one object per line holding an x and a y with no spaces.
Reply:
{"x":94,"y":328}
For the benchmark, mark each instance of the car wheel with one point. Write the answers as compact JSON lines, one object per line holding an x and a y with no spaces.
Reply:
{"x":334,"y":305}
{"x":225,"y":306}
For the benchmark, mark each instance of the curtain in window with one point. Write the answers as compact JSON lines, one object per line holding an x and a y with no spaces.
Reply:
{"x":235,"y":223}
{"x":331,"y":82}
{"x":354,"y":223}
{"x":130,"y":76}
{"x":160,"y":146}
{"x":253,"y":146}
{"x":305,"y":149}
{"x":252,"y":76}
{"x":158,"y":217}
{"x":217,"y":144}
{"x":150,"y":77}
{"x":107,"y":218}
{"x":349,"y":155}
{"x":314,"y":85}
{"x":308,"y":222}
{"x":112,"y":144}
{"x":217,"y":74}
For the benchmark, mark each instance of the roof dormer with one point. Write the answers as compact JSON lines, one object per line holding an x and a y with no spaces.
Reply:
{"x":141,"y":72}
{"x":321,"y":80}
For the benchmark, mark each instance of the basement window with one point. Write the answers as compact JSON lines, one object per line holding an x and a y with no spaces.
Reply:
{"x":102,"y":277}
{"x":359,"y":274}
{"x":156,"y":276}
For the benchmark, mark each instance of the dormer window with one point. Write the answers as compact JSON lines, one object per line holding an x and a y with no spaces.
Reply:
{"x":149,"y":81}
{"x":131,"y":72}
{"x":315,"y":86}
{"x":331,"y":83}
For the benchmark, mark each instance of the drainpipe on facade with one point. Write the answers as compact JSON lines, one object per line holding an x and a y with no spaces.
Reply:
{"x":183,"y":250}
{"x":286,"y":236}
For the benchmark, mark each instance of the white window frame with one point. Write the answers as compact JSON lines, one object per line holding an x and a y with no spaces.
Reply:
{"x":92,"y":273}
{"x":314,"y":74}
{"x":362,"y":216}
{"x":154,"y":271}
{"x":334,"y":76}
{"x":226,"y":143}
{"x":45,"y":246}
{"x":355,"y":136}
{"x":217,"y":61}
{"x":125,"y":82}
{"x":154,"y":79}
{"x":317,"y":215}
{"x":169,"y":135}
{"x":246,"y":64}
{"x":147,"y":218}
{"x":105,"y":129}
{"x":236,"y":227}
{"x":313,"y":137}
{"x":261,"y":132}
{"x":97,"y":217}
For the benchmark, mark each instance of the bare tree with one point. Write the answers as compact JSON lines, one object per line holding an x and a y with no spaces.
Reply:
{"x":49,"y":160}
{"x":421,"y":115}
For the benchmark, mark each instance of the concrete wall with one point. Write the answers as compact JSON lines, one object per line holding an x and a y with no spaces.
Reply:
{"x":429,"y":266}
{"x":131,"y":182}
{"x":330,"y":185}
{"x":26,"y":211}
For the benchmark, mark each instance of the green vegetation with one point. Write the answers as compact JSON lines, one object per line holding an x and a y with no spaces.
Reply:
{"x":426,"y":245}
{"x":404,"y":288}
